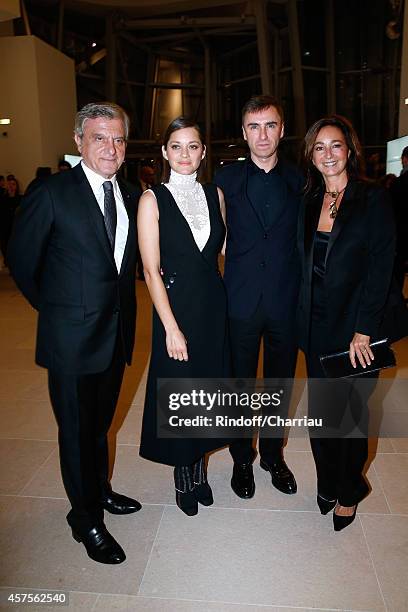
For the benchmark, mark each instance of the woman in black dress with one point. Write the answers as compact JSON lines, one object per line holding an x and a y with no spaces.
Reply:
{"x":181,"y":232}
{"x":346,"y":242}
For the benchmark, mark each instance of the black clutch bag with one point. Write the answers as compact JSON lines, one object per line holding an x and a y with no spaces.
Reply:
{"x":338,"y":365}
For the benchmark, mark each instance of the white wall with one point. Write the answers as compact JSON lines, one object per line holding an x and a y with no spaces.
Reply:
{"x":39,"y":96}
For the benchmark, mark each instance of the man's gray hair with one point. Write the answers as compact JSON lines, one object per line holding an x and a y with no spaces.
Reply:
{"x":109,"y":110}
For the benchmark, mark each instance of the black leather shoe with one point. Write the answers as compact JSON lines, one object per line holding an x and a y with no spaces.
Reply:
{"x":242,"y":481}
{"x":325,"y":505}
{"x":282,"y":477}
{"x":100,"y":545}
{"x":120,"y":504}
{"x":187,"y":502}
{"x":203,"y":494}
{"x":340,"y":522}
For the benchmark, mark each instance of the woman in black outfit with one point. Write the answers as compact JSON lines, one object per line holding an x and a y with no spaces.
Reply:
{"x":181,"y":232}
{"x":347,"y":243}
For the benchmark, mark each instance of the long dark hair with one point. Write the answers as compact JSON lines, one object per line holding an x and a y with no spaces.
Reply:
{"x":355,"y":162}
{"x":179,"y":123}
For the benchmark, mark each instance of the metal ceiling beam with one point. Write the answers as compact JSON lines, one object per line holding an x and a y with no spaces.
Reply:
{"x":187,"y":22}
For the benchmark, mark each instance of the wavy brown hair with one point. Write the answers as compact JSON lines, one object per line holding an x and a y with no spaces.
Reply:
{"x":355,"y":162}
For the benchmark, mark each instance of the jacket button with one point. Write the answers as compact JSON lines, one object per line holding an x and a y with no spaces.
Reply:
{"x":116,"y":311}
{"x":265,"y":236}
{"x":263,"y":264}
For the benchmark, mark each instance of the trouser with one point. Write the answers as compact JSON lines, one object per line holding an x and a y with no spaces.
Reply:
{"x":279,"y":362}
{"x":84,"y":406}
{"x":339,"y":460}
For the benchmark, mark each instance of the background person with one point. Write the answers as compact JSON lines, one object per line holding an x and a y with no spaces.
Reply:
{"x":9,"y":202}
{"x":181,"y":232}
{"x":72,"y":255}
{"x":64,"y":165}
{"x":346,"y":242}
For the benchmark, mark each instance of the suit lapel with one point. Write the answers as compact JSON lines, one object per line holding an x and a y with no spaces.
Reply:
{"x":96,"y":217}
{"x":127,"y":201}
{"x":312,"y":215}
{"x":343,"y":215}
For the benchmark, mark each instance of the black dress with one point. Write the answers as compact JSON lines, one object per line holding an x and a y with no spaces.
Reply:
{"x":198,"y":301}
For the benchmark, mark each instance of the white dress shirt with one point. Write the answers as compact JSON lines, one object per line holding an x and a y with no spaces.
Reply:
{"x":122,"y":226}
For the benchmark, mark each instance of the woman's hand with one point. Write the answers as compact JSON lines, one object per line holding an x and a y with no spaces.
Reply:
{"x":360,"y":348}
{"x":176,"y":345}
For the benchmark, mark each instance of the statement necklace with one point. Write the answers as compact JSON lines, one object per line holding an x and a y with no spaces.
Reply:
{"x":333,"y":210}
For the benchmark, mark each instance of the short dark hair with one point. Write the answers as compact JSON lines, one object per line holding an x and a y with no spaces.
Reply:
{"x":355,"y":161}
{"x":404,"y":152}
{"x":43,"y":172}
{"x":256,"y":104}
{"x":179,"y":123}
{"x":63,"y":163}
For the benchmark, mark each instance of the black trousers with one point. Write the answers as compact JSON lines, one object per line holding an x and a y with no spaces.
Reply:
{"x":339,"y":461}
{"x":84,"y":407}
{"x":279,"y":362}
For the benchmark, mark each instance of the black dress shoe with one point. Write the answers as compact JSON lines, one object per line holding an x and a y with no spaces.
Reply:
{"x":203,"y":494}
{"x":242,"y":481}
{"x":325,"y":505}
{"x":187,"y":502}
{"x":100,"y":545}
{"x":340,"y":522}
{"x":120,"y":504}
{"x":282,"y":477}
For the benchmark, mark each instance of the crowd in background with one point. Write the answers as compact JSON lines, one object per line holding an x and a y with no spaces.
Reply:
{"x":11,"y":194}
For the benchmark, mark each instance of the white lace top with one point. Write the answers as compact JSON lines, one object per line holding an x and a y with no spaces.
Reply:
{"x":190,"y":198}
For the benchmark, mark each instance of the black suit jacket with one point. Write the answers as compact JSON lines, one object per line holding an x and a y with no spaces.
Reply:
{"x":261,"y":261}
{"x":61,"y":259}
{"x":359,"y":263}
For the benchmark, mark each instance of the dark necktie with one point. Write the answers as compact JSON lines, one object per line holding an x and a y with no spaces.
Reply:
{"x":109,"y":212}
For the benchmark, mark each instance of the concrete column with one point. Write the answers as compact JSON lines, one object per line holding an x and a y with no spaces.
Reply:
{"x":297,"y":74}
{"x":264,"y":46}
{"x":111,"y":75}
{"x":330,"y":55}
{"x":60,"y":27}
{"x":208,"y":91}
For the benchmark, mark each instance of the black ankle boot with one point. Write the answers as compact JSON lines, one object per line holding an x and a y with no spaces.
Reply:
{"x":202,"y":489}
{"x":187,"y":502}
{"x":184,"y":483}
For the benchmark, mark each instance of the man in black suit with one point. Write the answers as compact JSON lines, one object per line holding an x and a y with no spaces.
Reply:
{"x":262,"y":198}
{"x":72,"y":254}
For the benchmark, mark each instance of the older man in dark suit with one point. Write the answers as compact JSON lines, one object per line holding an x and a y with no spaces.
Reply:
{"x":72,"y":254}
{"x":262,"y":272}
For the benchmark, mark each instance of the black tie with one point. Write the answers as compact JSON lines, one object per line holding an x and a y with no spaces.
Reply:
{"x":109,"y":212}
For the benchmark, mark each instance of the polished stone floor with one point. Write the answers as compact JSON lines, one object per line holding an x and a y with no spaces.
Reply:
{"x":273,"y":552}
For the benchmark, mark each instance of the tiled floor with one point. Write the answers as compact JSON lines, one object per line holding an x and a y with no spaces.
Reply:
{"x":273,"y":552}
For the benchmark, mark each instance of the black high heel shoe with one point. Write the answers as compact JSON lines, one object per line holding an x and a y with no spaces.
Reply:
{"x":203,"y":494}
{"x":325,"y":505}
{"x":187,"y":502}
{"x":340,"y":522}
